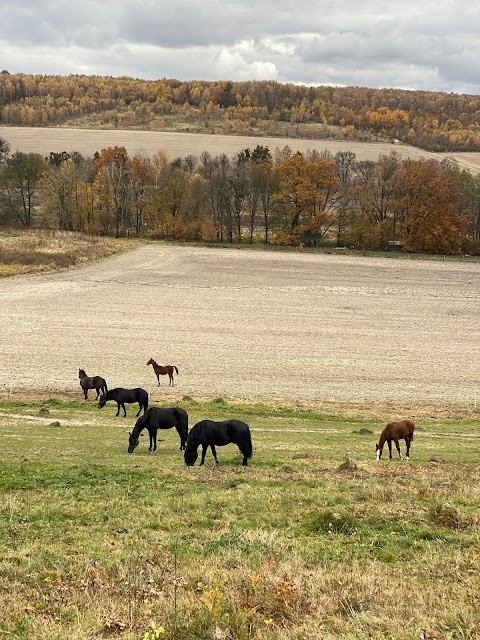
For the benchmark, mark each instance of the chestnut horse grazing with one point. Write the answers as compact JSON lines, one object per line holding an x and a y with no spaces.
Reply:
{"x":96,"y":382}
{"x":160,"y":370}
{"x":396,"y":431}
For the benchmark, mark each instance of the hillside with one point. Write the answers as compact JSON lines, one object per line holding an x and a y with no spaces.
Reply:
{"x":431,"y":120}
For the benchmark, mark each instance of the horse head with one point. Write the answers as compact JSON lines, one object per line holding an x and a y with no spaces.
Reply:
{"x":132,"y":442}
{"x":151,"y":361}
{"x":379,"y":451}
{"x":81,"y":374}
{"x":190,"y":454}
{"x":102,"y":400}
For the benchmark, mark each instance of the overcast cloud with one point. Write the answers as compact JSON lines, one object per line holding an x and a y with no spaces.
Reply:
{"x":409,"y":44}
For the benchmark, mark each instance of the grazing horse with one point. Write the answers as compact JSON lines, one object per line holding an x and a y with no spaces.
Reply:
{"x":122,"y":396}
{"x":396,"y":431}
{"x":161,"y":370}
{"x":211,"y":434}
{"x":98,"y":383}
{"x":155,"y":419}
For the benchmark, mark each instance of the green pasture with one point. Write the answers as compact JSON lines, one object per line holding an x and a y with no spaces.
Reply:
{"x":97,"y":543}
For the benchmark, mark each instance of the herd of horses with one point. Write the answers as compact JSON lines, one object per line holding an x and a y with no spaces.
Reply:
{"x":206,"y":433}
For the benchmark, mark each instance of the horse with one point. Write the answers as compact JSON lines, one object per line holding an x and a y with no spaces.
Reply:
{"x":402,"y":430}
{"x":156,"y":418}
{"x":161,"y":370}
{"x":122,"y":396}
{"x":211,"y":434}
{"x":97,"y":382}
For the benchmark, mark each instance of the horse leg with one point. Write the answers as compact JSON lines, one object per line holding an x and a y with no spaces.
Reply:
{"x":118,"y":409}
{"x":245,"y":459}
{"x":182,"y":438}
{"x":154,"y":437}
{"x":204,"y":453}
{"x":397,"y":444}
{"x":408,"y":442}
{"x":172,"y":384}
{"x":158,"y":378}
{"x":389,"y":442}
{"x":85,"y":393}
{"x":214,"y":452}
{"x":124,"y":410}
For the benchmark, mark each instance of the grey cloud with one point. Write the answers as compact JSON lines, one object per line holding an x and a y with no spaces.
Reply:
{"x":410,"y":44}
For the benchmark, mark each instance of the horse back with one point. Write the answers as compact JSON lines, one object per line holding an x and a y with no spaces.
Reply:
{"x":401,"y":429}
{"x":167,"y":418}
{"x":221,"y":433}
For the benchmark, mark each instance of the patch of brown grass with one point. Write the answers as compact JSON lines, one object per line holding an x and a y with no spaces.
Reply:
{"x":37,"y":250}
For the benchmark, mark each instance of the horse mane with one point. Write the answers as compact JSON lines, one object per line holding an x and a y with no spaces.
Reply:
{"x":192,"y":434}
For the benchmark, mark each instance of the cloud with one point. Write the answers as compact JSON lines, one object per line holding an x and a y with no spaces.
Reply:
{"x":406,"y":44}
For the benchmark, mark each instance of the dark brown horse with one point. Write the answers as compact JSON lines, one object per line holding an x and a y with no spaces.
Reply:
{"x":160,"y":370}
{"x":396,"y":431}
{"x":97,"y":383}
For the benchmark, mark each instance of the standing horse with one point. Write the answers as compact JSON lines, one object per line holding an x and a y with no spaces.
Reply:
{"x":161,"y":370}
{"x":211,"y":434}
{"x":155,"y":419}
{"x":98,"y":383}
{"x":396,"y":431}
{"x":122,"y":396}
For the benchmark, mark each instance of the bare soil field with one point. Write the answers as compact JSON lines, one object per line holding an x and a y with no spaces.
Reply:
{"x":87,"y":141}
{"x":308,"y":328}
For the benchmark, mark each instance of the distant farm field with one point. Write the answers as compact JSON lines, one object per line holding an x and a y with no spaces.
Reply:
{"x":87,"y":141}
{"x":252,"y":325}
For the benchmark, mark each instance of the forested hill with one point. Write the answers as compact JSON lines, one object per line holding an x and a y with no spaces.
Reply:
{"x":432,"y":120}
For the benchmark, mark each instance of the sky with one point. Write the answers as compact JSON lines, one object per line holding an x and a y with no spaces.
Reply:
{"x":407,"y":44}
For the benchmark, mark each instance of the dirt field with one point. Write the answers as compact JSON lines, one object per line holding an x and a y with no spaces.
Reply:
{"x":251,"y":325}
{"x":87,"y":141}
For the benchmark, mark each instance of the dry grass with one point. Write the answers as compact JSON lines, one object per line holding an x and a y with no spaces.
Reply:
{"x":38,"y":250}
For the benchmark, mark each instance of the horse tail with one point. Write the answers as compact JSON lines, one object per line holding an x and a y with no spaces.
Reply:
{"x":248,"y":448}
{"x":182,"y":416}
{"x":105,"y":385}
{"x":175,"y":369}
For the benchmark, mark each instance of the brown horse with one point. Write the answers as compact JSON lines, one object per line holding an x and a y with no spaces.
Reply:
{"x":97,"y":383}
{"x":396,"y":431}
{"x":163,"y":371}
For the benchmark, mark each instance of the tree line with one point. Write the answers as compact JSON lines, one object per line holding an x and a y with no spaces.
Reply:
{"x":436,"y":121}
{"x":255,"y":196}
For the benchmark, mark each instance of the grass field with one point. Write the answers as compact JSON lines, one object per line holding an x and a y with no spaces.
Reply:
{"x":97,"y":543}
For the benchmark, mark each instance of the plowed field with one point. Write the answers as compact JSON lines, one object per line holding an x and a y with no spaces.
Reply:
{"x":251,"y":325}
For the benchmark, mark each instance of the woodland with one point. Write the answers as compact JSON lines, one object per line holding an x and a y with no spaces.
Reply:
{"x":260,"y":195}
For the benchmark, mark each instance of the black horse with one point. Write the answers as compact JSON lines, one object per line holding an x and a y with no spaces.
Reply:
{"x":155,"y":419}
{"x":122,"y":396}
{"x":211,"y":434}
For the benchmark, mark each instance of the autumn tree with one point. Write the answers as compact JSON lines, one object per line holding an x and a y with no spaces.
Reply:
{"x":21,"y":177}
{"x":66,"y":194}
{"x":112,"y":190}
{"x":429,"y":206}
{"x":304,"y":192}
